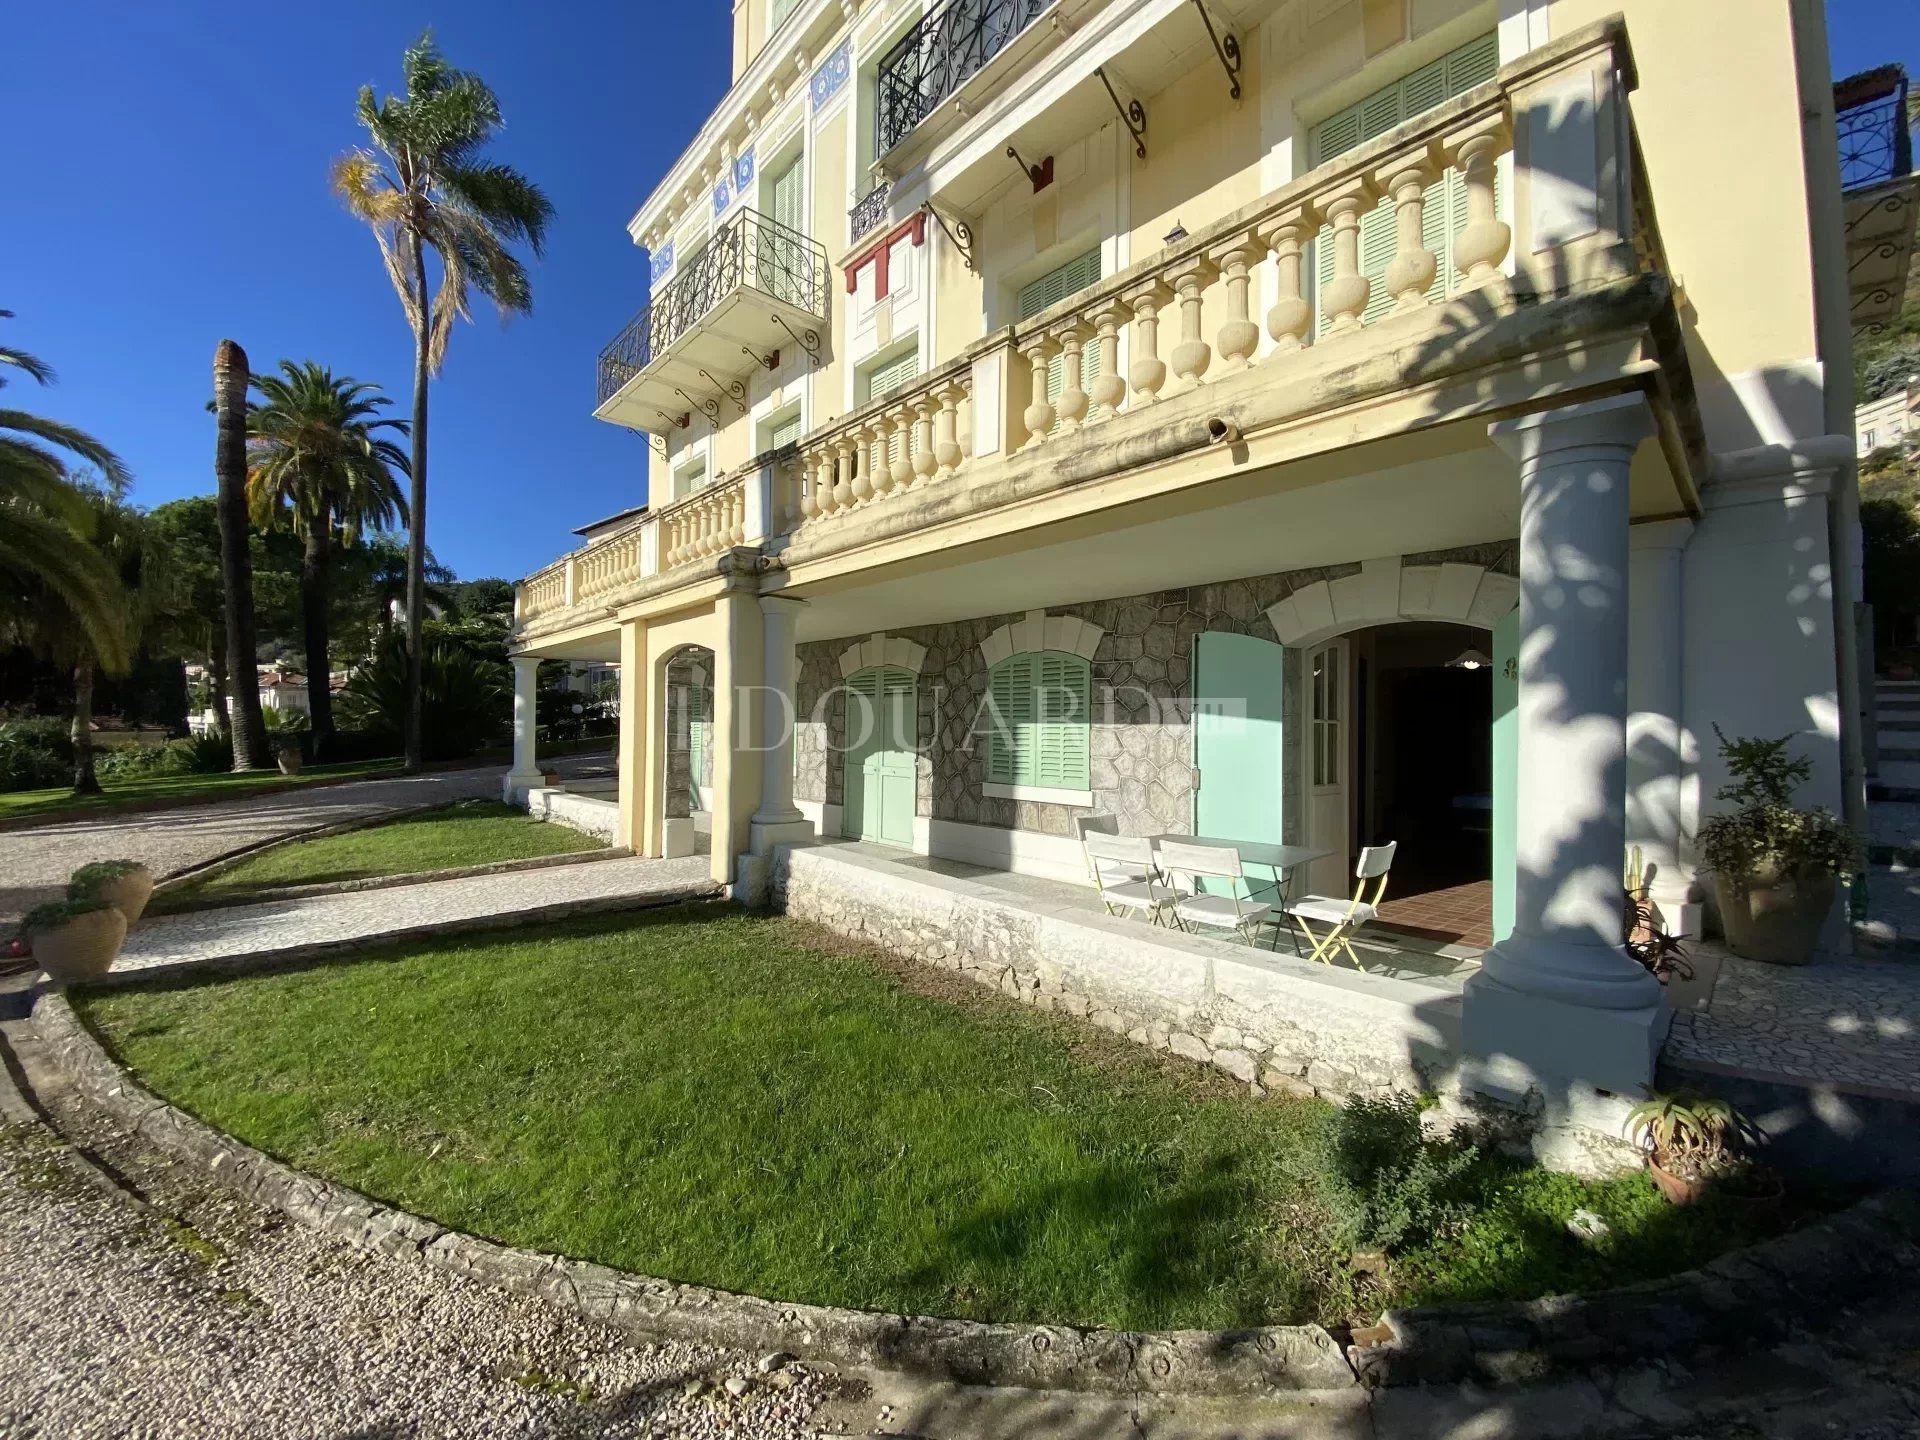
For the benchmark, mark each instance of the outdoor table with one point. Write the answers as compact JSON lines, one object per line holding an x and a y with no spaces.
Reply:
{"x":1278,"y":859}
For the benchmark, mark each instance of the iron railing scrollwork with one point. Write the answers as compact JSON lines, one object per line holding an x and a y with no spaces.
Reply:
{"x":869,"y":210}
{"x":751,"y":250}
{"x":1875,"y":142}
{"x":952,"y":42}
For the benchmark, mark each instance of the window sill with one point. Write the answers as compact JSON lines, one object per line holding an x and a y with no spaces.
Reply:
{"x":1042,"y":794}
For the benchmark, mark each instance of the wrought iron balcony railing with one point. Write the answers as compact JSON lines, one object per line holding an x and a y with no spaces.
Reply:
{"x":869,"y":210}
{"x":750,"y":250}
{"x":1875,"y":141}
{"x":935,"y":58}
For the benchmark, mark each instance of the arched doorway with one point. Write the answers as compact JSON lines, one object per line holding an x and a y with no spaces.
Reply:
{"x":880,"y":773}
{"x":688,"y":796}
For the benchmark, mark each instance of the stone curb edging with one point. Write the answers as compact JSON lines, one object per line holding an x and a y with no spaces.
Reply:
{"x":1742,"y":1300}
{"x":384,"y":882}
{"x":292,"y":957}
{"x":1739,"y":1302}
{"x":1288,"y":1357}
{"x":213,"y":864}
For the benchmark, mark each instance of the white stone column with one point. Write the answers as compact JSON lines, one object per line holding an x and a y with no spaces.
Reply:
{"x":1657,"y":755}
{"x":1559,"y":1000}
{"x":526,"y":768}
{"x":778,"y":821}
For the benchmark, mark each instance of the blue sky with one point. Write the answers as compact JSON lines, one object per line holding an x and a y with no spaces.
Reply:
{"x":167,"y":168}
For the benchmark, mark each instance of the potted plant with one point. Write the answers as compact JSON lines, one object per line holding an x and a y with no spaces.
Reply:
{"x":126,"y":885}
{"x":1776,"y":867}
{"x":74,"y":940}
{"x":287,"y":734}
{"x":1695,"y":1143}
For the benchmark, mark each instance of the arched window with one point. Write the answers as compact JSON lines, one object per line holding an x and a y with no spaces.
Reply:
{"x":1041,"y":735}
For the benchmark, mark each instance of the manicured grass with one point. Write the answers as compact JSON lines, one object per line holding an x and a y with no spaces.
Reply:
{"x":165,"y":790}
{"x":472,"y":832}
{"x":739,"y":1101}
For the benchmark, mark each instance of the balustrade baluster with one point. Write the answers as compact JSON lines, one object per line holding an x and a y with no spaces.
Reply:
{"x":1148,"y":372}
{"x":924,"y":462}
{"x":1191,"y":355}
{"x":1291,"y":317}
{"x":1039,"y":413}
{"x":1480,"y":247}
{"x":1344,"y":297}
{"x":900,"y":472}
{"x":1411,"y":271}
{"x":1239,"y":337}
{"x":946,"y":448}
{"x":845,"y":448}
{"x":1072,"y":405}
{"x":1109,"y":390}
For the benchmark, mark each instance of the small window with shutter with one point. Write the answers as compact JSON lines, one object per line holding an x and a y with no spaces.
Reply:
{"x":1042,"y":730}
{"x":1444,"y":212}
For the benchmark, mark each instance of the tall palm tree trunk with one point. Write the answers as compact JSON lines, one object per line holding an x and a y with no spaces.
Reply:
{"x":315,"y":557}
{"x":217,"y":672}
{"x":417,"y":511}
{"x":236,"y":565}
{"x":85,"y":782}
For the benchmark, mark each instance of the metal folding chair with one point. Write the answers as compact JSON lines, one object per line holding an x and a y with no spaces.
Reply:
{"x":1232,"y":911}
{"x":1344,"y":917}
{"x":1122,"y":867}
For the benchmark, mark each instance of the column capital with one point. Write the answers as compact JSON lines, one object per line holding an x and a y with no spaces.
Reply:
{"x":1660,"y":534}
{"x":790,"y":605}
{"x":1619,"y":421}
{"x":527,"y":662}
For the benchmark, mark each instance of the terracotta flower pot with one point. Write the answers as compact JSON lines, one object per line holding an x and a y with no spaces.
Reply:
{"x":1776,"y":918}
{"x":290,"y":758}
{"x":128,"y":893}
{"x":83,"y":948}
{"x":1677,"y":1190}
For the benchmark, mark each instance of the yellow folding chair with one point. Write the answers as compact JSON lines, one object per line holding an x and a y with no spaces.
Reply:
{"x":1344,"y":917}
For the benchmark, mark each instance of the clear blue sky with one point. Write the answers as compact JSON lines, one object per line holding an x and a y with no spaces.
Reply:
{"x":166,"y":187}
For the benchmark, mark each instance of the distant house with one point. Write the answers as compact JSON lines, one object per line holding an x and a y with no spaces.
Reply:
{"x":282,"y":691}
{"x":1892,"y":421}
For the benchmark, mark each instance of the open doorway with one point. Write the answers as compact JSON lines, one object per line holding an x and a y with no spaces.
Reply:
{"x":1421,"y":697}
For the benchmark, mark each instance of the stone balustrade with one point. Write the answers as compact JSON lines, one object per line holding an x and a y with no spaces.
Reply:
{"x":704,"y":523}
{"x":918,"y":436}
{"x":607,"y":565}
{"x":542,"y":593}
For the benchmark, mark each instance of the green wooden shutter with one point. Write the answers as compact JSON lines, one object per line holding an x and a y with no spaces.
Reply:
{"x":787,"y":195}
{"x":696,"y":737}
{"x":784,"y":432}
{"x":778,"y":13}
{"x":1444,"y":212}
{"x":1051,"y":288}
{"x":1010,"y":686}
{"x":884,"y":379}
{"x":1062,"y":747}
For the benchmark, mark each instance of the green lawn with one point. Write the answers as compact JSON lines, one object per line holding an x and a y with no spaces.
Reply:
{"x":738,"y":1101}
{"x":165,"y":790}
{"x":472,"y":832}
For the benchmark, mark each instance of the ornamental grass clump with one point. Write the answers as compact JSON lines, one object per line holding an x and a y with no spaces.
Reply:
{"x":86,"y":882}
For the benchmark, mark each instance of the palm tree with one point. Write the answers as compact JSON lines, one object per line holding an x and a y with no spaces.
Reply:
{"x":236,"y":563}
{"x":425,"y":185}
{"x":45,"y":518}
{"x":316,"y":457}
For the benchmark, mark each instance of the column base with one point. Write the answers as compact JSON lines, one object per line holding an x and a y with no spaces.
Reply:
{"x":514,"y":787}
{"x":763,"y":835}
{"x":677,"y":838}
{"x":1518,"y":1040}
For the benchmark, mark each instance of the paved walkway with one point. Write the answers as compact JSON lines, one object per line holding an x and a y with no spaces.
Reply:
{"x":35,"y":862}
{"x":435,"y":906}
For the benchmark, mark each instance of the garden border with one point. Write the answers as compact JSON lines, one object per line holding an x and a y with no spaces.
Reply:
{"x":1745,"y":1297}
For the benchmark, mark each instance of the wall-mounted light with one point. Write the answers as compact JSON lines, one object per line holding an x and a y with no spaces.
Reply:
{"x":1469,"y":659}
{"x":1177,"y":233}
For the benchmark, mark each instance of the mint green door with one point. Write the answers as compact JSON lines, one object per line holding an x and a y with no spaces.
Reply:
{"x":1506,"y":767}
{"x":879,"y":772}
{"x":1238,"y":689}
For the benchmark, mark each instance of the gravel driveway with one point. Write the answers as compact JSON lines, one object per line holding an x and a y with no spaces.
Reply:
{"x":204,"y":1316}
{"x":35,"y":862}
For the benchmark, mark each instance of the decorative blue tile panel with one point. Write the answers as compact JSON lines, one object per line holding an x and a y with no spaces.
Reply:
{"x":722,"y":197}
{"x":662,"y":262}
{"x":832,"y":74}
{"x":743,"y":173}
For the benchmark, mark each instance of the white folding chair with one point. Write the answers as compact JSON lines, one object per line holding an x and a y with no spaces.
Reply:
{"x":1122,"y":867}
{"x":1344,"y":917}
{"x":1097,"y":823}
{"x":1231,"y":911}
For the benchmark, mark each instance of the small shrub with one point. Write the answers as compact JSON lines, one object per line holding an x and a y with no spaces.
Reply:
{"x":1380,"y":1180}
{"x":85,"y":882}
{"x":35,"y":753}
{"x":55,"y":913}
{"x":201,"y":755}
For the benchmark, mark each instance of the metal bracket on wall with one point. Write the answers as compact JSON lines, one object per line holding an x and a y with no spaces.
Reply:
{"x":1041,"y":175}
{"x":959,"y":232}
{"x":808,"y":340}
{"x":730,"y":387}
{"x":768,"y":362}
{"x":708,"y":408}
{"x":657,"y":442}
{"x":1225,"y":46}
{"x":1133,"y":114}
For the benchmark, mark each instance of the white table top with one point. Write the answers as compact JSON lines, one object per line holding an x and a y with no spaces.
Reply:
{"x":1254,"y":852}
